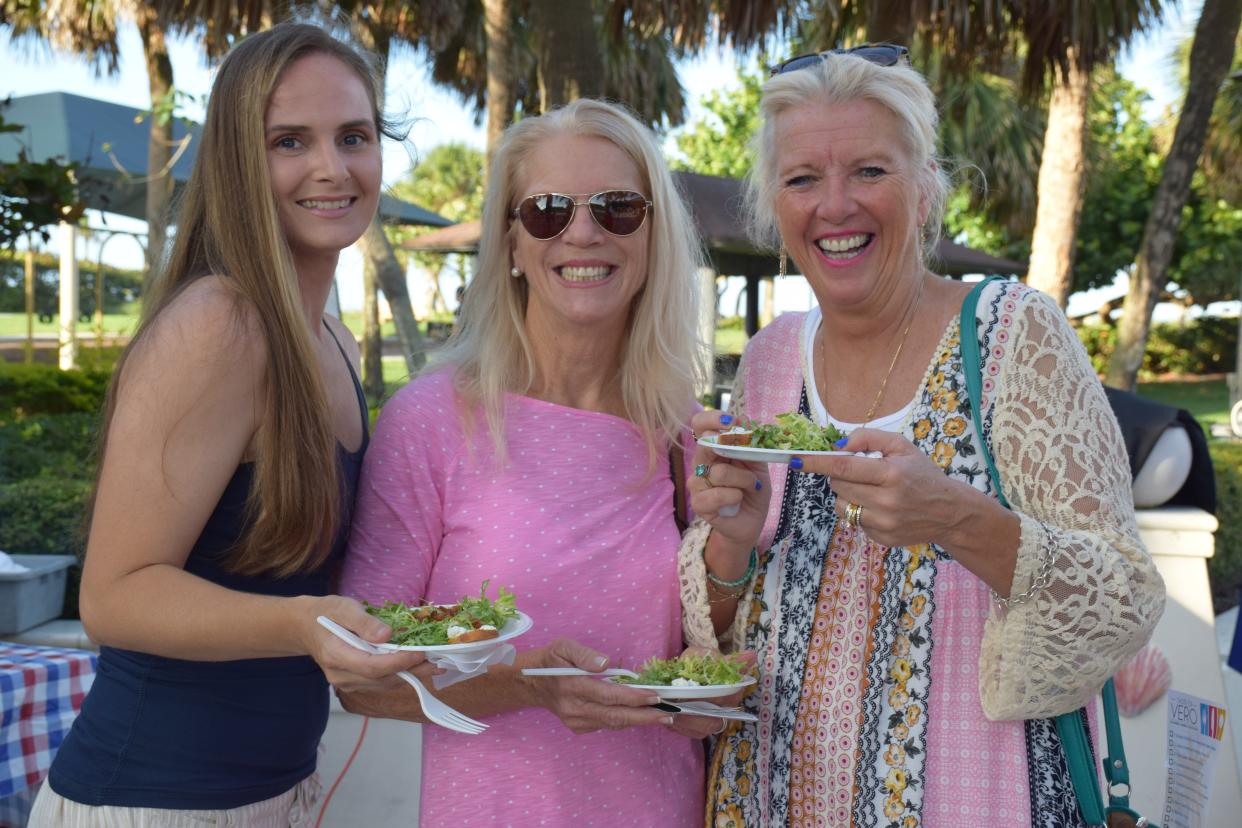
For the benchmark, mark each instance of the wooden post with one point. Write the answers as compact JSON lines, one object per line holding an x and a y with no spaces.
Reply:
{"x":30,"y":302}
{"x":707,"y":328}
{"x":99,"y":299}
{"x":68,"y":296}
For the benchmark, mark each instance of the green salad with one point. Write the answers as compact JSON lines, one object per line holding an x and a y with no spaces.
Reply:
{"x":702,"y":668}
{"x":470,"y":619}
{"x":794,"y":432}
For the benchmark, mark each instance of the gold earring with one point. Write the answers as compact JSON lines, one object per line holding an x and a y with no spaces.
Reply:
{"x":784,"y":260}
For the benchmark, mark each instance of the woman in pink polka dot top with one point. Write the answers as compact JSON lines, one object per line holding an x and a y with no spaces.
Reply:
{"x":535,"y":453}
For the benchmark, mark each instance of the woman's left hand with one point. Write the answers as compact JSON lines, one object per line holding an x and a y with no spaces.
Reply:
{"x":346,"y":667}
{"x":700,"y":727}
{"x":904,"y":497}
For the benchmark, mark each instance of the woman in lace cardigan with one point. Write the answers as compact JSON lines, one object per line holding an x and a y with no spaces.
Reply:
{"x":913,"y":635}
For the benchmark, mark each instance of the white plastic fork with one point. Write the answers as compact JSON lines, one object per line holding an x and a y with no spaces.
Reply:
{"x":434,"y":709}
{"x":575,"y":671}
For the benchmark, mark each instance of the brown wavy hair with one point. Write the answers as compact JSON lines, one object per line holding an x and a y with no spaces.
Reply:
{"x":228,"y":227}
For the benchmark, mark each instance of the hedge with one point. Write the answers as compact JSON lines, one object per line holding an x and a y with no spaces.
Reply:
{"x":44,"y":516}
{"x":1225,"y":566}
{"x":28,"y":390}
{"x":1207,"y":345}
{"x":58,"y":446}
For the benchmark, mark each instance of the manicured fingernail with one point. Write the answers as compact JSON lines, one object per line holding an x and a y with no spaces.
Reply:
{"x":795,"y":463}
{"x":654,"y":700}
{"x":667,"y":720}
{"x":758,"y":485}
{"x":725,"y":419}
{"x":841,"y":443}
{"x":601,"y":662}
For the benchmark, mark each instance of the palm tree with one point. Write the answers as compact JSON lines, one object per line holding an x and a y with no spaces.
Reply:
{"x":152,"y":24}
{"x":566,"y":51}
{"x":1210,"y":58}
{"x":501,"y":77}
{"x":1222,"y":152}
{"x":535,"y":54}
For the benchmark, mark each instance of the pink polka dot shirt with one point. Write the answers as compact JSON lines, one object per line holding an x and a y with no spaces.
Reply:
{"x":576,"y":526}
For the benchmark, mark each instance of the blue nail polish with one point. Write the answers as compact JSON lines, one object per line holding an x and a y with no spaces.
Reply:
{"x":758,"y":485}
{"x":725,"y":419}
{"x":841,"y":443}
{"x":795,"y":463}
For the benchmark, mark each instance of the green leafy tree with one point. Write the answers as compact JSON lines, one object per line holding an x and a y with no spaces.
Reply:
{"x":35,"y":195}
{"x":1209,"y":247}
{"x":448,"y":181}
{"x":1123,"y":169}
{"x":1211,"y":56}
{"x":717,"y":143}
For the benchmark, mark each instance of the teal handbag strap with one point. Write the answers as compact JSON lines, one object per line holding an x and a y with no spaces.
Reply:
{"x":972,"y":367}
{"x":1116,"y":769}
{"x":1071,"y":727}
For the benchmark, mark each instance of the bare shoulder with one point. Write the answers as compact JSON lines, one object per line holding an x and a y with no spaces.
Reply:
{"x":208,"y":328}
{"x":345,"y":337}
{"x":205,"y":352}
{"x":951,"y":290}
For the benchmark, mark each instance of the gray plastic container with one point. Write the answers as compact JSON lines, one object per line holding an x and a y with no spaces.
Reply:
{"x":27,"y":599}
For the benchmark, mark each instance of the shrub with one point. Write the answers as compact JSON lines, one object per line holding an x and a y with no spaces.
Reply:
{"x":43,"y":516}
{"x":1207,"y":345}
{"x":27,"y":390}
{"x":48,"y":446}
{"x":1225,"y":566}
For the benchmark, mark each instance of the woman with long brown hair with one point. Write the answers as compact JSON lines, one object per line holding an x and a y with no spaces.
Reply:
{"x":233,"y":435}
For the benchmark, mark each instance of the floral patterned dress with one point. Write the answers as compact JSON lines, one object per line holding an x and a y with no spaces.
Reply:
{"x":893,"y":690}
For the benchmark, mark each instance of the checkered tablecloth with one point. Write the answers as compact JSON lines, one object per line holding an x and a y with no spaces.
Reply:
{"x":41,"y":691}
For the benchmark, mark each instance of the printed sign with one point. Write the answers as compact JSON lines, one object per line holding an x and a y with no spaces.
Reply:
{"x":1196,"y":728}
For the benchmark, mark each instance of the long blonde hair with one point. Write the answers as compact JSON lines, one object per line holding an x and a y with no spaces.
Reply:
{"x":228,"y":226}
{"x":661,"y":360}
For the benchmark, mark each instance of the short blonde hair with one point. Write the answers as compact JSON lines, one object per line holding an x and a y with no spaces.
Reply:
{"x":838,"y":79}
{"x":662,"y":359}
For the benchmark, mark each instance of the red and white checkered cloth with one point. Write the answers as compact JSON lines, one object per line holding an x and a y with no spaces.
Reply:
{"x":41,"y":691}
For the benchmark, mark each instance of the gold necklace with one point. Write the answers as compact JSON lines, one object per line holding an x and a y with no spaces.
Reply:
{"x":914,"y":306}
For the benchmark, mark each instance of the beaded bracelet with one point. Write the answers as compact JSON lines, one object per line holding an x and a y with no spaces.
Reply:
{"x":716,"y":595}
{"x":742,"y":581}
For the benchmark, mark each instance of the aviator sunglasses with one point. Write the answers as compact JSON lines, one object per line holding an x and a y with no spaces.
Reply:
{"x":881,"y":54}
{"x":546,"y":215}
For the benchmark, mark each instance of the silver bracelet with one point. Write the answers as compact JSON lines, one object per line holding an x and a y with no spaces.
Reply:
{"x":1041,"y":580}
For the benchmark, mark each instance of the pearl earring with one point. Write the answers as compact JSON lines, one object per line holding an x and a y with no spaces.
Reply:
{"x":515,"y":272}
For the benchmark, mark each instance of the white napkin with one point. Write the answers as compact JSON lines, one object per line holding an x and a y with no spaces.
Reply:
{"x":10,"y":566}
{"x":467,"y":665}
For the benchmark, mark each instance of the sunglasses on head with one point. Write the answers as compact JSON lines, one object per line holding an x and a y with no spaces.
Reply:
{"x":881,"y":54}
{"x":546,"y":215}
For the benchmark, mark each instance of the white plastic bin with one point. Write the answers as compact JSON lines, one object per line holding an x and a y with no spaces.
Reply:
{"x":27,"y":599}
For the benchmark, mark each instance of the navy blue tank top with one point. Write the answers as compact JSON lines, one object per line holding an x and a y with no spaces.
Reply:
{"x":159,"y":732}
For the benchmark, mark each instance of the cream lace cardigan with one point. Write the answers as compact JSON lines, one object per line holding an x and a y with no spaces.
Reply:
{"x":1060,"y":454}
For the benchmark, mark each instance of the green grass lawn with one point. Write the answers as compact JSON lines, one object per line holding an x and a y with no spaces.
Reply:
{"x":14,"y":324}
{"x":1207,"y":400}
{"x":353,"y":321}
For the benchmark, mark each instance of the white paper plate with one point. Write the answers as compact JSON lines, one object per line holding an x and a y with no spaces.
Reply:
{"x":765,"y":455}
{"x":711,"y":691}
{"x":512,"y":629}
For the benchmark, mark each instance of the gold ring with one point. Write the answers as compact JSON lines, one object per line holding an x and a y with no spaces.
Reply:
{"x":853,"y":515}
{"x":702,"y":471}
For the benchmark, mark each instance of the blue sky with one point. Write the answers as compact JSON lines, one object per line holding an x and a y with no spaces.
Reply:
{"x":438,"y":115}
